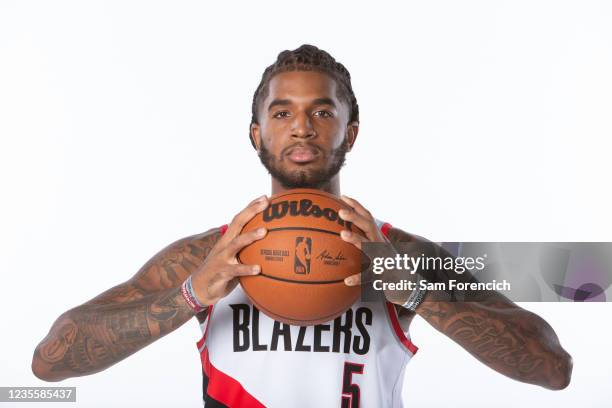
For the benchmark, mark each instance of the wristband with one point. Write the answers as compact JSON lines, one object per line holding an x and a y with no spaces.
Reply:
{"x":415,"y":299}
{"x":416,"y":296}
{"x":190,"y":297}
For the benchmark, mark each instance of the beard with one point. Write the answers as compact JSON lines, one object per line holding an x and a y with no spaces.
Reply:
{"x":306,"y":178}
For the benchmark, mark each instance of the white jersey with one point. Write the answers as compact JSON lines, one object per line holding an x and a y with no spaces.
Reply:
{"x":250,"y":360}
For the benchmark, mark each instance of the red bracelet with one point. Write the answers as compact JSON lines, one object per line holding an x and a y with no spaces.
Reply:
{"x":190,"y":298}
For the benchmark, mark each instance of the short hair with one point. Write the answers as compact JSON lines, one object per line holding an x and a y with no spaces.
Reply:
{"x":307,"y":58}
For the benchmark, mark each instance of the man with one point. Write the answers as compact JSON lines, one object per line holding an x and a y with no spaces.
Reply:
{"x":305,"y":119}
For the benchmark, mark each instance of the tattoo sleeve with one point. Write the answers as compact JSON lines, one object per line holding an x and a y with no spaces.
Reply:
{"x":124,"y":319}
{"x":91,"y":338}
{"x":499,"y":333}
{"x":511,"y":340}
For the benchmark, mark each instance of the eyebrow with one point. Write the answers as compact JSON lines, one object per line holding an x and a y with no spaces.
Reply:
{"x":324,"y":101}
{"x":285,"y":102}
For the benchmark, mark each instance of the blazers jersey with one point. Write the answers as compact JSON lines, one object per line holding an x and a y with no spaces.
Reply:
{"x":251,"y":360}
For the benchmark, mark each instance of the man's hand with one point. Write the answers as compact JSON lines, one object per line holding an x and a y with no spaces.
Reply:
{"x":217,"y":277}
{"x":134,"y":314}
{"x":363,"y":219}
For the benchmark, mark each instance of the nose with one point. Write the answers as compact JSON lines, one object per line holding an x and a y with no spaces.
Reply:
{"x":302,"y":127}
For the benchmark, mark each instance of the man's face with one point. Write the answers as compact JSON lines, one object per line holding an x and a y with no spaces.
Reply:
{"x":303,"y":132}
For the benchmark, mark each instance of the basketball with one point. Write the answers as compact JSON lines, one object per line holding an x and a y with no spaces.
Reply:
{"x":303,"y":259}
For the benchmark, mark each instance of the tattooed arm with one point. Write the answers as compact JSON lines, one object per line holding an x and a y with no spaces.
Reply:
{"x":128,"y":317}
{"x":91,"y":338}
{"x":499,"y":333}
{"x":124,"y":319}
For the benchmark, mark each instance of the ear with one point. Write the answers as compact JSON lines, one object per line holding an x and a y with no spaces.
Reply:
{"x":255,"y":135}
{"x":351,"y":134}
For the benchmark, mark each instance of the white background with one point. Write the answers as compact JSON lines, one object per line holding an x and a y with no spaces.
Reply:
{"x":123,"y":127}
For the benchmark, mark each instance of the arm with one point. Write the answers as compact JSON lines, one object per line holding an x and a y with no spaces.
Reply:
{"x":124,"y":319}
{"x":91,"y":338}
{"x":505,"y":337}
{"x":499,"y":333}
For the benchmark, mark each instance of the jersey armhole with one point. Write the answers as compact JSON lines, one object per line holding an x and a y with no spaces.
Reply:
{"x":206,"y":323}
{"x":204,"y":326}
{"x":390,"y":307}
{"x":397,"y":328}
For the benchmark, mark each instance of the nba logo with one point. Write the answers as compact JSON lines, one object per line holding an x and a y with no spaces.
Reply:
{"x":301,"y":263}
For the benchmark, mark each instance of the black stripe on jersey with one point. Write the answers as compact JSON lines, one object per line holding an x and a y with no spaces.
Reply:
{"x":209,"y":402}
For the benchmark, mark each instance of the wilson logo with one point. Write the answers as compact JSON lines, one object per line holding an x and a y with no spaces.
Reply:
{"x":303,"y":208}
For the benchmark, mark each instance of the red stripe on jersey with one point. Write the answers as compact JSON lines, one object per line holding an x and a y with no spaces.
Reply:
{"x":222,"y":387}
{"x":225,"y":389}
{"x":385,"y":229}
{"x":393,"y":311}
{"x":223,"y":228}
{"x":200,"y":343}
{"x":398,"y":329}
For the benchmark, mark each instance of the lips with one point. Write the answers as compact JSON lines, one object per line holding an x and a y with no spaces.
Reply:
{"x":302,"y":154}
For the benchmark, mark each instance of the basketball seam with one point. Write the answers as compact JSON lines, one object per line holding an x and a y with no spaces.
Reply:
{"x":302,"y":228}
{"x":300,"y":282}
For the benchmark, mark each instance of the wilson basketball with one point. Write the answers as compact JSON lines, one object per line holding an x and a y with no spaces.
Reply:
{"x":303,"y":259}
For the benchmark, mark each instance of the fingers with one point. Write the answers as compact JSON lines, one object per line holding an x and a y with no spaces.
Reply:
{"x":357,"y":219}
{"x":368,"y":226}
{"x":242,"y":240}
{"x":229,"y":272}
{"x":352,"y":238}
{"x":219,"y":279}
{"x":359,"y":209}
{"x":353,"y":280}
{"x":255,"y":201}
{"x":235,"y":271}
{"x":361,"y":218}
{"x":244,"y":216}
{"x":359,"y":279}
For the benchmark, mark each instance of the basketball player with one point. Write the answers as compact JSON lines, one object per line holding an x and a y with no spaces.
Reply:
{"x":305,"y":119}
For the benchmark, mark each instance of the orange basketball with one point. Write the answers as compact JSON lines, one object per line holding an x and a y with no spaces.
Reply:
{"x":303,"y":259}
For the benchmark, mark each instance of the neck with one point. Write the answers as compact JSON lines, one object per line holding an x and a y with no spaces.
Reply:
{"x":332,"y":186}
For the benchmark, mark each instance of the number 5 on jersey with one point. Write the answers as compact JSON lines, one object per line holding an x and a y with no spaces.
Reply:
{"x":350,"y":391}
